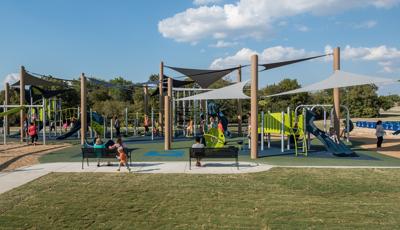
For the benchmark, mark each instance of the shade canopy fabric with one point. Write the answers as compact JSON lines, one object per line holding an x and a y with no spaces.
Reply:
{"x":339,"y":79}
{"x":35,"y":81}
{"x":175,"y":83}
{"x":204,"y":77}
{"x":283,"y":63}
{"x":234,"y":91}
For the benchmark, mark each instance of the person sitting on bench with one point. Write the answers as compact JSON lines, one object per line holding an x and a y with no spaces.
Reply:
{"x":98,"y":145}
{"x":198,"y":145}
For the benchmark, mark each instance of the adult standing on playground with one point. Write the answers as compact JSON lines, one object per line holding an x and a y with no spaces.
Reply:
{"x":146,"y":124}
{"x":249,"y":125}
{"x":117,"y":126}
{"x":380,"y":132}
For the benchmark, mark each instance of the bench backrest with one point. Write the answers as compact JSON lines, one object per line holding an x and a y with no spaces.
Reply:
{"x":101,"y":152}
{"x":214,"y":152}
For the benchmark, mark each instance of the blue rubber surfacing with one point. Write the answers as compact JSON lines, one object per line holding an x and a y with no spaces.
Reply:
{"x":172,"y":153}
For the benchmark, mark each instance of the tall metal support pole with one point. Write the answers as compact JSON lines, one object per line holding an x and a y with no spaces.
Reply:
{"x":169,"y":115}
{"x":137,"y":124}
{"x":83,"y":109}
{"x":44,"y":121}
{"x":104,"y":127}
{"x":325,"y":129}
{"x":268,"y":125}
{"x":290,"y":125}
{"x":146,"y":99}
{"x":283,"y":132}
{"x":79,"y":117}
{"x":4,"y":126}
{"x":194,"y":117}
{"x":167,"y":136}
{"x":126,"y":121}
{"x":91,"y":123}
{"x":161,"y":98}
{"x":336,"y":94}
{"x":254,"y":106}
{"x":206,"y":123}
{"x":111,"y":128}
{"x":6,"y":102}
{"x":239,"y":104}
{"x":152,"y":123}
{"x":184,"y":114}
{"x":22,"y":102}
{"x":262,"y":130}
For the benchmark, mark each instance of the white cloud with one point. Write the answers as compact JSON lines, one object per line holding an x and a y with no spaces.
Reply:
{"x":379,"y":53}
{"x":273,"y":54}
{"x":302,"y":28}
{"x":224,"y":44}
{"x":366,"y":25}
{"x":251,"y":18}
{"x":205,"y":2}
{"x":386,"y":57}
{"x":11,"y":78}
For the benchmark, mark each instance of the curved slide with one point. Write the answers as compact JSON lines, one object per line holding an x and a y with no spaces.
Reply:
{"x":74,"y":129}
{"x":337,"y":149}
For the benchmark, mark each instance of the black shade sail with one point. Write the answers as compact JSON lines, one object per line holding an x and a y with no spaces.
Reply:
{"x":204,"y":77}
{"x":283,"y":63}
{"x":175,"y":83}
{"x":35,"y":81}
{"x":51,"y":93}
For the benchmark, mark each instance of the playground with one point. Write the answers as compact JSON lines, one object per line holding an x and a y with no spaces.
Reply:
{"x":314,"y":164}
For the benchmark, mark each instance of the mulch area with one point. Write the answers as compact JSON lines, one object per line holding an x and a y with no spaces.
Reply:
{"x":13,"y":156}
{"x":390,"y":146}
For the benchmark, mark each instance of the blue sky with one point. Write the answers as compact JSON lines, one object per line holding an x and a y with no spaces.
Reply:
{"x":129,"y":38}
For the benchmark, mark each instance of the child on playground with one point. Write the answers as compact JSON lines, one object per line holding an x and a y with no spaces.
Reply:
{"x":220,"y":126}
{"x":117,"y":145}
{"x":32,"y":132}
{"x":380,"y":132}
{"x":248,"y":125}
{"x":98,"y":145}
{"x":65,"y":126}
{"x":332,"y":135}
{"x":156,"y":130}
{"x":122,"y":159}
{"x":189,"y":129}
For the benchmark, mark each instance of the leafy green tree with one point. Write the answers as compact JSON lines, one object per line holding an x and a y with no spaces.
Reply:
{"x":280,"y":103}
{"x":362,"y":101}
{"x":387,"y":102}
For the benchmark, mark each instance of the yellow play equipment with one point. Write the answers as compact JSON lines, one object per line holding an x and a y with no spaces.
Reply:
{"x":284,"y":124}
{"x":215,"y":138}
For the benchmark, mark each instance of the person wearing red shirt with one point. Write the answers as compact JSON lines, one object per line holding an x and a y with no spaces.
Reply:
{"x":32,"y":131}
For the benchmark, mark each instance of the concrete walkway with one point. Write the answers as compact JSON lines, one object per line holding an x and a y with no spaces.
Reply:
{"x":18,"y":177}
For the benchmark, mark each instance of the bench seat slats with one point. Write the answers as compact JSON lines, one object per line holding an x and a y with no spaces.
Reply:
{"x":230,"y":152}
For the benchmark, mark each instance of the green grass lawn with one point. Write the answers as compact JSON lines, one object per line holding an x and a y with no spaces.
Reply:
{"x":281,"y":198}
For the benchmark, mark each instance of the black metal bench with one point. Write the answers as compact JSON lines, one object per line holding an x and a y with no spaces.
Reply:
{"x":91,"y":152}
{"x":229,"y":152}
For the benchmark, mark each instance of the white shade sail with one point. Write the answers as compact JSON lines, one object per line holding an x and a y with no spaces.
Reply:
{"x":339,"y":79}
{"x":234,"y":91}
